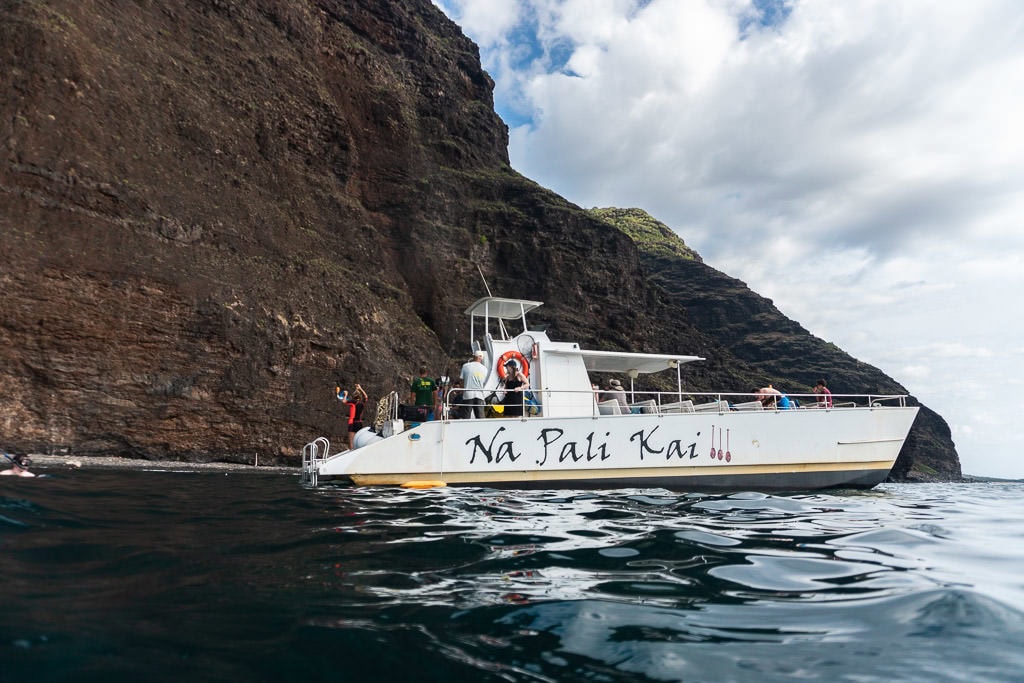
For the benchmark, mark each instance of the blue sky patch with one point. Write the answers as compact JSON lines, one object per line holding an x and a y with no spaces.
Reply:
{"x":767,"y":14}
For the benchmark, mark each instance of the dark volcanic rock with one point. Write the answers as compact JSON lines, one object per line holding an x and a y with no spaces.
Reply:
{"x":213,"y":212}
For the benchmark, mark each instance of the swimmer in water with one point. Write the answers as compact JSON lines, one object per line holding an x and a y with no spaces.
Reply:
{"x":19,"y":466}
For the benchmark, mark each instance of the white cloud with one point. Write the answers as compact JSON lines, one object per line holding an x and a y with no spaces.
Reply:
{"x":487,"y":21}
{"x":913,"y":372}
{"x":861,"y":163}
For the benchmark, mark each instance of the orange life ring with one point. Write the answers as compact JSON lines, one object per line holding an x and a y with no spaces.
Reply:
{"x":517,"y":357}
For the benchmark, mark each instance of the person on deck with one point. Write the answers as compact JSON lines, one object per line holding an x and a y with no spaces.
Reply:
{"x":825,"y":396}
{"x":444,"y":385}
{"x":456,"y":406}
{"x":616,"y":391}
{"x":19,"y":466}
{"x":769,"y":396}
{"x":773,"y":398}
{"x":515,"y":383}
{"x":348,"y":410}
{"x":474,"y":374}
{"x":421,"y":393}
{"x":358,"y":402}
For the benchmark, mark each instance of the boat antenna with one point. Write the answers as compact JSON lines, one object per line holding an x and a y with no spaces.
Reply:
{"x":478,"y":269}
{"x":501,"y":323}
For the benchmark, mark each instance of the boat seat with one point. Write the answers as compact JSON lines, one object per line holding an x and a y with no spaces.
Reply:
{"x":748,"y":405}
{"x":677,"y":407}
{"x":712,"y":407}
{"x":609,"y":407}
{"x":647,"y":407}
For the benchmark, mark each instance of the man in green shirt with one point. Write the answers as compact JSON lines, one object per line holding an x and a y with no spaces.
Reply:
{"x":422,"y":392}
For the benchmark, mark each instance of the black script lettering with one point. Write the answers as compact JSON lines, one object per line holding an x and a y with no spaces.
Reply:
{"x":645,"y":447}
{"x":548,"y":441}
{"x":602,"y":449}
{"x":675,"y":450}
{"x":504,"y":449}
{"x":569,"y":451}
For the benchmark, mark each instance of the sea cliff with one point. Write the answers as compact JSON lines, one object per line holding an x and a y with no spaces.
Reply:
{"x":211,"y":213}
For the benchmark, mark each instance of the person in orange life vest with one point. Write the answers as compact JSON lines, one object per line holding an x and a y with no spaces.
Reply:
{"x":357,"y":402}
{"x":348,"y":411}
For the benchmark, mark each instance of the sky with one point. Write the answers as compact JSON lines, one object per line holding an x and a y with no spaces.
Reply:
{"x":860,"y":163}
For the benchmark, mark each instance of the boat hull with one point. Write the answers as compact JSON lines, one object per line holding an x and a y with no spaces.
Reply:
{"x":769,"y":450}
{"x":767,"y":478}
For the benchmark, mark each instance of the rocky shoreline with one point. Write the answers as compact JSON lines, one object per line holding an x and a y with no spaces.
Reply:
{"x":42,"y":462}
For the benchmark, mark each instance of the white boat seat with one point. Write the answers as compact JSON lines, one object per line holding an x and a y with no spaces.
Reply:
{"x":609,"y":407}
{"x":677,"y":407}
{"x":712,"y":407}
{"x":748,"y":405}
{"x":647,"y":407}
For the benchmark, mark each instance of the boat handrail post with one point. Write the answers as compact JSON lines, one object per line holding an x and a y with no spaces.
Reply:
{"x":679,"y":379}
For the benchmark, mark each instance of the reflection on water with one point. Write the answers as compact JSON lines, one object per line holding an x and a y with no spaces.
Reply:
{"x":157,"y":575}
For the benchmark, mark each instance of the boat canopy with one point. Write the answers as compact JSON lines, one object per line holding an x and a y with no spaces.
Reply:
{"x":632,"y":364}
{"x":503,"y":309}
{"x":496,"y":308}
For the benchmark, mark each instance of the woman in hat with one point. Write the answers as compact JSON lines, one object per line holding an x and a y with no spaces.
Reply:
{"x":515,"y":383}
{"x":616,"y":391}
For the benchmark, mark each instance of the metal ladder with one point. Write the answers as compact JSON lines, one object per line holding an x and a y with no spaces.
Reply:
{"x":314,"y":454}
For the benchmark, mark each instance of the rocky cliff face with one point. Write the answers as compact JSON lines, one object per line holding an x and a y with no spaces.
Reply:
{"x":212,"y":212}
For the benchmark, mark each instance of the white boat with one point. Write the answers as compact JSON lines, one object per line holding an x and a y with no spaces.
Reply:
{"x":574,"y":438}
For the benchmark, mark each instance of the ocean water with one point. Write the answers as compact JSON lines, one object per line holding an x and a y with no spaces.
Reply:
{"x":242,"y":576}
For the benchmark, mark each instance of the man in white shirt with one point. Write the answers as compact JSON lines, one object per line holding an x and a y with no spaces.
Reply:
{"x":473,"y":374}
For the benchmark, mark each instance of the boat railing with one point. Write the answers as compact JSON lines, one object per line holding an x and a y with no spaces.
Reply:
{"x":387,"y":409}
{"x":314,"y":454}
{"x":672,"y":402}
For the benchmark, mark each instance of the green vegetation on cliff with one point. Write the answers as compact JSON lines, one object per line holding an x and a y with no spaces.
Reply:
{"x":652,"y":237}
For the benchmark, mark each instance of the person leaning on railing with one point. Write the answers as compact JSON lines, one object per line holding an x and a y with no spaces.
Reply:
{"x":824,"y":395}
